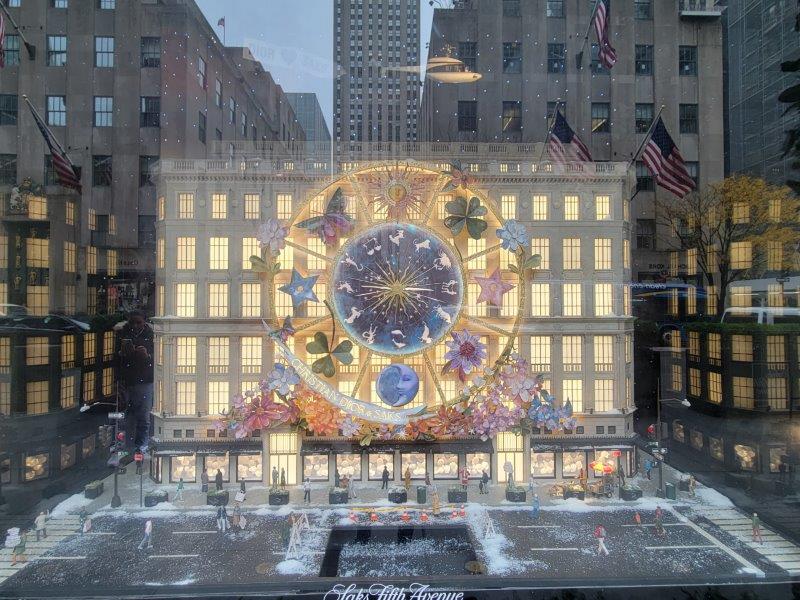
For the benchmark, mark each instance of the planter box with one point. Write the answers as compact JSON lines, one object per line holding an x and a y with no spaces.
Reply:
{"x":517,"y":495}
{"x":279,"y":498}
{"x":457,"y":496}
{"x":630,"y":494}
{"x":217,"y":498}
{"x":92,"y":491}
{"x":153,"y":498}
{"x":398,"y":497}
{"x":337,"y":497}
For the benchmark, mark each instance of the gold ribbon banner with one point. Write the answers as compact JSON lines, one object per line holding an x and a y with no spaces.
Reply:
{"x":352,"y":406}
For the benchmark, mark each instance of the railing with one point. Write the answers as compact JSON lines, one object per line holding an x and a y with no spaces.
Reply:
{"x":699,"y":8}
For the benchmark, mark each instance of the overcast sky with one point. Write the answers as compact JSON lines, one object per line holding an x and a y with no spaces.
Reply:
{"x":293,"y":39}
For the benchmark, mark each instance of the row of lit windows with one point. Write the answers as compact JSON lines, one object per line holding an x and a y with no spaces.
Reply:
{"x":741,"y":347}
{"x":250,"y":353}
{"x":572,"y":300}
{"x":740,"y":257}
{"x":218,"y":301}
{"x":572,"y":352}
{"x":37,"y":350}
{"x":37,"y":393}
{"x":219,"y":207}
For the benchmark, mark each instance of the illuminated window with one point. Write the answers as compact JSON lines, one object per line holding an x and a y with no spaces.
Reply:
{"x":108,"y":345}
{"x":89,"y":346}
{"x":676,"y":383}
{"x":602,"y":254}
{"x":691,"y":300}
{"x":508,"y":206}
{"x":185,"y":253}
{"x":108,"y":381}
{"x":161,"y":253}
{"x":573,"y":391}
{"x":185,"y":299}
{"x":161,"y":208}
{"x":741,"y":213}
{"x":540,"y":205}
{"x":160,"y":300}
{"x":626,"y":254}
{"x":185,"y":355}
{"x":742,"y":347}
{"x":286,"y":255}
{"x":714,"y":346}
{"x":774,"y":255}
{"x":219,"y":206}
{"x":283,"y":448}
{"x":112,"y":224}
{"x":603,"y":301}
{"x":741,"y":295}
{"x":70,"y":212}
{"x":603,"y":394}
{"x":694,"y":345}
{"x":185,"y":398}
{"x":741,"y":255}
{"x":284,"y":206}
{"x":743,"y":392}
{"x":628,"y":348}
{"x":251,"y":354}
{"x":442,"y":201}
{"x":540,"y":299}
{"x":315,"y":263}
{"x":36,"y":397}
{"x":69,"y":397}
{"x":541,"y":246}
{"x":776,"y":350}
{"x":88,"y":387}
{"x":603,"y":353}
{"x":711,"y":300}
{"x":694,"y":382}
{"x":572,"y":300}
{"x":540,"y":352}
{"x":37,"y":299}
{"x":774,"y":295}
{"x":250,"y":247}
{"x":317,"y":309}
{"x":711,"y":259}
{"x":572,"y":352}
{"x":218,"y":254}
{"x":475,"y":309}
{"x":571,"y":248}
{"x":714,"y":387}
{"x":70,"y":297}
{"x":475,"y":247}
{"x":69,"y":257}
{"x":674,"y":261}
{"x":186,"y":205}
{"x":38,"y":250}
{"x":91,"y":260}
{"x":283,"y":302}
{"x":111,"y":262}
{"x":572,"y":208}
{"x":602,"y":206}
{"x":37,"y":350}
{"x":251,"y":299}
{"x":217,"y":300}
{"x":510,"y":303}
{"x":691,"y":261}
{"x":776,"y":393}
{"x":158,"y":350}
{"x":252,"y":206}
{"x":218,"y":396}
{"x":218,"y":355}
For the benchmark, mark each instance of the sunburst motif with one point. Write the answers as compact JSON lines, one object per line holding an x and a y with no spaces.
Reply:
{"x":390,"y":290}
{"x":398,"y":191}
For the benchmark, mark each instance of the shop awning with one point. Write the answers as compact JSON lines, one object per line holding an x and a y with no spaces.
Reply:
{"x":176,"y":447}
{"x":376,"y":447}
{"x":600,"y":443}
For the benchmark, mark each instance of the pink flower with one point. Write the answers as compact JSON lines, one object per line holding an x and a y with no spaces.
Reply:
{"x":465,"y":353}
{"x":263,"y":412}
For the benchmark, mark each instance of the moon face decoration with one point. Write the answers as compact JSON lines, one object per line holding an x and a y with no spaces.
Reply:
{"x":397,"y":385}
{"x":397,"y":288}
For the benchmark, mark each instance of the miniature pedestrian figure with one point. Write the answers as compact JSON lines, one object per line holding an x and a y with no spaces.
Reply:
{"x":218,"y":480}
{"x":435,"y":503}
{"x":464,"y":478}
{"x":692,"y":485}
{"x":757,"y":529}
{"x":307,"y":490}
{"x":204,"y":481}
{"x":648,"y":468}
{"x":179,"y":491}
{"x":147,"y":540}
{"x":351,"y":488}
{"x":385,"y":478}
{"x":600,"y":534}
{"x":82,"y":520}
{"x":236,"y":517}
{"x":537,"y":506}
{"x":283,"y":478}
{"x":222,"y":519}
{"x":40,"y":524}
{"x":637,"y":519}
{"x":659,"y":526}
{"x":659,"y":512}
{"x":485,"y":482}
{"x":18,"y":552}
{"x":274,"y":477}
{"x":583,"y":479}
{"x":407,"y":479}
{"x":427,"y":480}
{"x":337,"y":479}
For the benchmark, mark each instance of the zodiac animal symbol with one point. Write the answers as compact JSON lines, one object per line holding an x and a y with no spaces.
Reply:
{"x":376,"y":247}
{"x":447,"y":288}
{"x":395,"y":239}
{"x":346,"y":287}
{"x":354,"y":314}
{"x":443,"y":315}
{"x":369,"y":336}
{"x":426,"y":245}
{"x":352,"y":263}
{"x":397,"y":332}
{"x":443,"y":262}
{"x":426,"y":335}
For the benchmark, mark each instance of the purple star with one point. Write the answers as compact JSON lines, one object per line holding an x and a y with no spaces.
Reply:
{"x":493,"y":288}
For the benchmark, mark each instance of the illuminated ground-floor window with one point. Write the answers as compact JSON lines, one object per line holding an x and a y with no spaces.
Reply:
{"x":415,"y":463}
{"x":68,"y":455}
{"x":37,"y":466}
{"x":746,"y":457}
{"x":315,"y":467}
{"x":283,"y":455}
{"x":543,"y":464}
{"x":445,"y":465}
{"x":349,"y":465}
{"x":477,"y":463}
{"x":572,"y":463}
{"x":249,"y":467}
{"x":509,"y":450}
{"x":88,"y":446}
{"x":217,"y":462}
{"x":182,"y":467}
{"x":376,"y":464}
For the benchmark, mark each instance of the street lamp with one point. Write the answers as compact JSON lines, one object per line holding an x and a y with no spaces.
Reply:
{"x":119,"y":442}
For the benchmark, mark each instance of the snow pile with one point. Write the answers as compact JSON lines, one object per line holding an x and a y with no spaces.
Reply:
{"x":492,"y":548}
{"x":71,"y":505}
{"x":711,"y":497}
{"x":292,"y":567}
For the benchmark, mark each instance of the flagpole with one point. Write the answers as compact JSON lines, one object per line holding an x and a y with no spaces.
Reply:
{"x":28,"y":46}
{"x":549,"y":131}
{"x":579,"y":56}
{"x":52,"y":137}
{"x":647,"y":136}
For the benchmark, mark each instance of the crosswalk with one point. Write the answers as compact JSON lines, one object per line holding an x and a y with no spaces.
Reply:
{"x":58,"y":529}
{"x":775,"y":548}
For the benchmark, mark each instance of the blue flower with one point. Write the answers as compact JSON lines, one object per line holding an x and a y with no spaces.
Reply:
{"x":513,"y":235}
{"x":281,"y":378}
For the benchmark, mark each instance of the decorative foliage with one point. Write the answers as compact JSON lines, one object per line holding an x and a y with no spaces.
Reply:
{"x":286,"y":331}
{"x":463,"y":213}
{"x":513,"y":235}
{"x":300,"y":289}
{"x":465,"y":353}
{"x":281,"y":378}
{"x":493,"y":288}
{"x":325,"y":364}
{"x":333,"y":223}
{"x":272,"y":234}
{"x":459,"y":177}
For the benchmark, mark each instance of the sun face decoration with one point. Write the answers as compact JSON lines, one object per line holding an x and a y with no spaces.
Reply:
{"x":398,"y":192}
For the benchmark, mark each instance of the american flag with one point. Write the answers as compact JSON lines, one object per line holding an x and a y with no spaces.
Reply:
{"x":602,"y":15}
{"x":664,"y":160}
{"x":66,"y":173}
{"x":2,"y":41}
{"x":564,"y":145}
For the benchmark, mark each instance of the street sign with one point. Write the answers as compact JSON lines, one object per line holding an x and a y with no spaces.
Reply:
{"x":116,"y":416}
